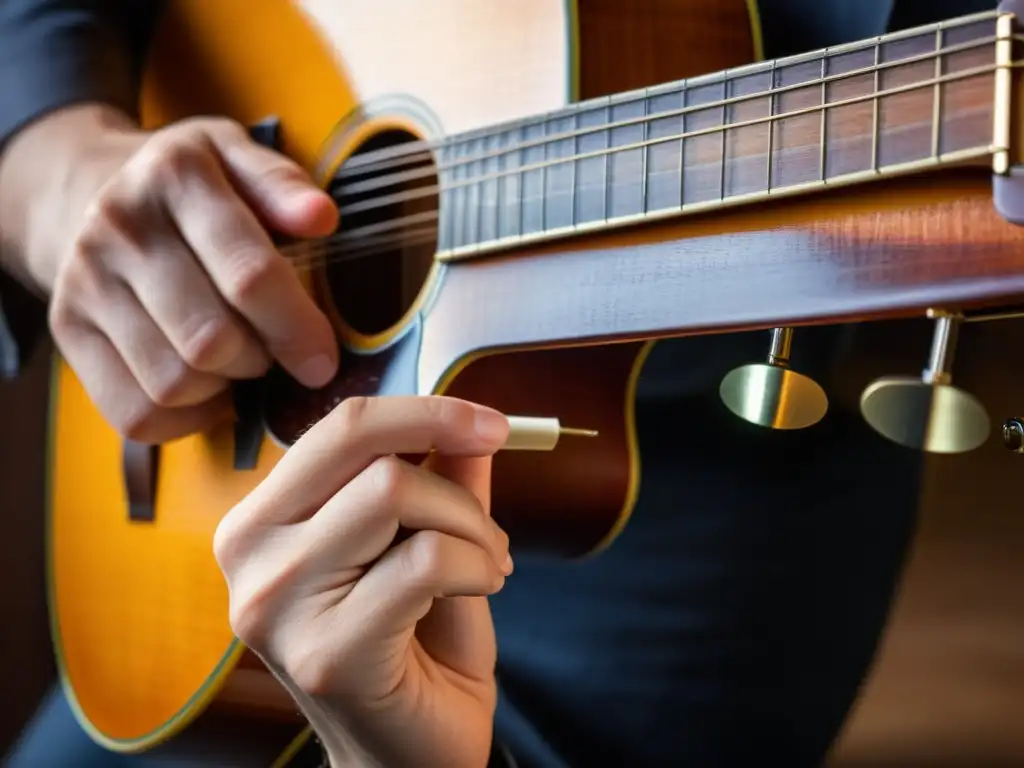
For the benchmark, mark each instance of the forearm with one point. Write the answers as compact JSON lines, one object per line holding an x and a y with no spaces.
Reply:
{"x":56,"y":56}
{"x":43,"y":182}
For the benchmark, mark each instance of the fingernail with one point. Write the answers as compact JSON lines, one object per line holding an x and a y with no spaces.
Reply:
{"x":316,"y":371}
{"x":491,"y":425}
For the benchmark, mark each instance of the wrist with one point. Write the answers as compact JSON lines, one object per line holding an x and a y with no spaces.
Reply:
{"x":42,"y":203}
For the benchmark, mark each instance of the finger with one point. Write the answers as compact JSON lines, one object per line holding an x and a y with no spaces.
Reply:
{"x":458,"y":631}
{"x":120,"y":399}
{"x":251,"y":274}
{"x":281,"y":192}
{"x":471,"y":473}
{"x":361,"y":521}
{"x":166,"y":379}
{"x":400,"y":589}
{"x":183,"y":303}
{"x":361,"y":430}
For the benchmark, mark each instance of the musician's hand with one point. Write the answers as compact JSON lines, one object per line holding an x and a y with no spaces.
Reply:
{"x":389,"y":650}
{"x":164,"y":282}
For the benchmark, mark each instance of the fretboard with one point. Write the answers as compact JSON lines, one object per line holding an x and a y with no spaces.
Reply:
{"x":893,"y":104}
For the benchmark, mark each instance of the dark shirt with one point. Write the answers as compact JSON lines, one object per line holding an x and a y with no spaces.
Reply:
{"x":734,"y":618}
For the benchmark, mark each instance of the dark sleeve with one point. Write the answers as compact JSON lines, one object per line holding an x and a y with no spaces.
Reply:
{"x":54,"y":53}
{"x":59,"y":52}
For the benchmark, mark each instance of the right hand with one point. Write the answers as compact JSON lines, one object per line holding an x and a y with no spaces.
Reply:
{"x":170,"y":286}
{"x":386,"y":645}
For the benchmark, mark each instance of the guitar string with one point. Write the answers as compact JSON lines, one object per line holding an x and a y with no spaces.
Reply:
{"x":360,"y":165}
{"x":413,"y":237}
{"x":324,"y":247}
{"x":419,"y":192}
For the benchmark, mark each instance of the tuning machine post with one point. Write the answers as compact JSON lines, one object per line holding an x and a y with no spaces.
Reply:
{"x":927,"y":412}
{"x":772,"y":394}
{"x":1013,"y":434}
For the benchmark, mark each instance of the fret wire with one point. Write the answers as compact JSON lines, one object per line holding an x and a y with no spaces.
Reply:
{"x":875,"y":110}
{"x":608,"y":163}
{"x":937,"y":96}
{"x":951,"y":77}
{"x":453,"y":225}
{"x":725,"y":132}
{"x":472,"y":197}
{"x":644,"y":165}
{"x":462,"y":186}
{"x":521,"y":187}
{"x":479,"y":218}
{"x":823,"y":132}
{"x":453,"y":196}
{"x":467,"y":219}
{"x":771,"y":126}
{"x":875,"y":68}
{"x":498,"y":191}
{"x":682,"y":151}
{"x":573,"y":171}
{"x":456,"y":199}
{"x":544,"y":180}
{"x":442,"y":203}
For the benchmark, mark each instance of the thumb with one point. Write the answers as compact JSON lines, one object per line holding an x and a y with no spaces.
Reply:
{"x":279,"y":190}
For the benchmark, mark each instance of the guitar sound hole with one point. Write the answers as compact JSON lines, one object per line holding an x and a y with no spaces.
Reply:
{"x":387,"y":236}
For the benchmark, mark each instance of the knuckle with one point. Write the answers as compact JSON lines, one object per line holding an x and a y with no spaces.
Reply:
{"x":61,"y":316}
{"x":250,"y":272}
{"x":283,"y":173}
{"x":311,"y":670}
{"x":202,"y":343}
{"x":350,"y":412}
{"x":216,"y":124}
{"x":83,"y":275}
{"x":100,"y":218}
{"x":231,"y":544}
{"x":451,"y":412}
{"x":173,"y":157}
{"x":228,"y":540}
{"x":137,"y":424}
{"x":247,"y":616}
{"x":96,"y":237}
{"x":258,"y":597}
{"x":136,"y":416}
{"x":424,"y":559}
{"x":169,"y":381}
{"x":252,"y":608}
{"x":390,"y":477}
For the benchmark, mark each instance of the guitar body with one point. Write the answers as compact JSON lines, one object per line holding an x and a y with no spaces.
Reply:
{"x":139,"y":606}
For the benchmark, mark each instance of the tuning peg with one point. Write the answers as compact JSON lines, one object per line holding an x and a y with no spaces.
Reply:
{"x":1013,"y":434}
{"x":929,"y":413}
{"x":772,"y":394}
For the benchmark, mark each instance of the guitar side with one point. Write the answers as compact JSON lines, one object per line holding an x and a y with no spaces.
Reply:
{"x":139,"y":609}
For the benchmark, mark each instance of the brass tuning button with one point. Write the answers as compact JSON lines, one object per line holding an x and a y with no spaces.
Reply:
{"x":928,"y":412}
{"x":772,"y":394}
{"x":1013,"y":435}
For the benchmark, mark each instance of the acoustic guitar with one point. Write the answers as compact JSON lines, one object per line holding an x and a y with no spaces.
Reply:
{"x":531,"y":194}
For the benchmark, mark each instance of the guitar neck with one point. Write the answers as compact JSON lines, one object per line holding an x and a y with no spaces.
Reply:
{"x":920,"y":99}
